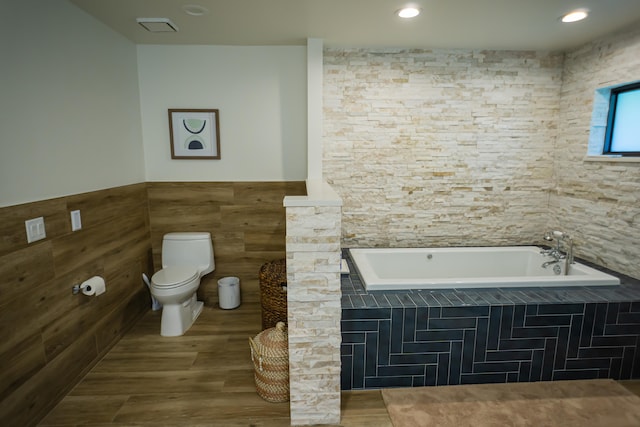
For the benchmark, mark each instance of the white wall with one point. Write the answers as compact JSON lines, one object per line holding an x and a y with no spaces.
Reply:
{"x":69,"y":109}
{"x":260,"y":93}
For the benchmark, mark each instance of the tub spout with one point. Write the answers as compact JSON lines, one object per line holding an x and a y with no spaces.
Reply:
{"x":548,"y":263}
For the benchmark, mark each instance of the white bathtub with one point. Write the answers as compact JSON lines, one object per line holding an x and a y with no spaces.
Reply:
{"x":441,"y":268}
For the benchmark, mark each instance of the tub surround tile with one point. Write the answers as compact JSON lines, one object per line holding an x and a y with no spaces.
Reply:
{"x":416,"y":168}
{"x":473,"y":350}
{"x":629,"y":290}
{"x":596,"y":200}
{"x":382,"y":301}
{"x":462,"y":148}
{"x":488,"y":335}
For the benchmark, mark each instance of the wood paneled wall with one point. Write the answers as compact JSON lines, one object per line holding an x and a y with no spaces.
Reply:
{"x":50,"y":338}
{"x":245,"y":219}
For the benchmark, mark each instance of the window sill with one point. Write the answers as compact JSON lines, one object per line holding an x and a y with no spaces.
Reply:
{"x":614,"y":159}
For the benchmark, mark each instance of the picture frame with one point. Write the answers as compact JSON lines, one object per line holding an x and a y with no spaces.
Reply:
{"x":194,"y":133}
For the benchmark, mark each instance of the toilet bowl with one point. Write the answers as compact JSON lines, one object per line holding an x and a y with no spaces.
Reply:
{"x":186,"y":257}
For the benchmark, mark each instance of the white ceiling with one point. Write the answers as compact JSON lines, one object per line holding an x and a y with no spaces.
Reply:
{"x":471,"y":24}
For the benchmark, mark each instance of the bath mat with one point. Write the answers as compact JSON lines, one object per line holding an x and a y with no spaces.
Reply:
{"x":557,"y":403}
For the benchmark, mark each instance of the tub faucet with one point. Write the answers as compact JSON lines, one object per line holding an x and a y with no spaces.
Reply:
{"x":557,"y":252}
{"x":548,"y":263}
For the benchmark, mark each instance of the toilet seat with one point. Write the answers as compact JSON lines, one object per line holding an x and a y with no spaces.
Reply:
{"x":174,"y":277}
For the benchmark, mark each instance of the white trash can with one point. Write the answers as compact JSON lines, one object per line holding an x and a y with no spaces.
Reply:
{"x":229,"y":292}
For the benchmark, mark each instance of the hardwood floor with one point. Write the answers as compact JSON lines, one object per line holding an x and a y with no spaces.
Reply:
{"x":204,"y":378}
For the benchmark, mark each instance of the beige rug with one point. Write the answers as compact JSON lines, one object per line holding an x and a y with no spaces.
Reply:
{"x":601,"y":403}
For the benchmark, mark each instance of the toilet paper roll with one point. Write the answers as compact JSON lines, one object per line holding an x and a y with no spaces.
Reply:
{"x":94,"y":286}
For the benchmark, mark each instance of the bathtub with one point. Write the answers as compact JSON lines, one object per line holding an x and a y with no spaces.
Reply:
{"x":473,"y":267}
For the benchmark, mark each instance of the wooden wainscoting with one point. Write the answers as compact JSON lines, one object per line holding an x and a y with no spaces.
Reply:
{"x":50,"y":338}
{"x":245,"y":219}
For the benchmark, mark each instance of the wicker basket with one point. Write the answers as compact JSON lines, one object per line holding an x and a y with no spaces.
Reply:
{"x":273,"y":292}
{"x":270,"y":356}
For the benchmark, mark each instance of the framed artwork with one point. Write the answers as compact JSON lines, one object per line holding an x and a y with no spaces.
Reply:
{"x":195,"y":134}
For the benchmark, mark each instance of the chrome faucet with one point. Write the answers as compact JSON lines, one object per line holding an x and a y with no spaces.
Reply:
{"x":548,"y":263}
{"x":557,"y":252}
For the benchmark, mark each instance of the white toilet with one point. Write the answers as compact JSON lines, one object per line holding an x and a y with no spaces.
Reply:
{"x":186,"y":257}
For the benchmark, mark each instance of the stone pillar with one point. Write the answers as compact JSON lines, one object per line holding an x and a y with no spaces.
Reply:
{"x":314,"y":309}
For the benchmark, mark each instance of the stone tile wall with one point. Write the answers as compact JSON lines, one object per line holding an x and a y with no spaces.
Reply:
{"x":438,"y":148}
{"x":314,"y":312}
{"x":597,"y":202}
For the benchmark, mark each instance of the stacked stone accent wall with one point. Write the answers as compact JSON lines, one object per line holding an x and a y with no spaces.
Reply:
{"x":443,"y":147}
{"x":597,"y":202}
{"x":314,"y":312}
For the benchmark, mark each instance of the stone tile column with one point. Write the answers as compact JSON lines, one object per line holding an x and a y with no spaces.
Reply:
{"x":314,"y":310}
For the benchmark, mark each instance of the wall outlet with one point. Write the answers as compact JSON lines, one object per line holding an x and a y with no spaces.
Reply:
{"x":35,"y":229}
{"x":76,"y":221}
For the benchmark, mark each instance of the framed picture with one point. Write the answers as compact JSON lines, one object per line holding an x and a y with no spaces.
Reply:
{"x":195,"y":134}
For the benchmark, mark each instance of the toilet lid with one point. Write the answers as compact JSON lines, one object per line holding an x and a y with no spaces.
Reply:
{"x":171,"y":277}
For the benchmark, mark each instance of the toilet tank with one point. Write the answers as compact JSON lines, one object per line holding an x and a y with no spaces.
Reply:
{"x":191,"y":249}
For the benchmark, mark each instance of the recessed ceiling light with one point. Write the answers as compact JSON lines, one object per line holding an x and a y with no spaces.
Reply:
{"x":575,"y":15}
{"x":408,"y":12}
{"x":158,"y":25}
{"x":195,"y":10}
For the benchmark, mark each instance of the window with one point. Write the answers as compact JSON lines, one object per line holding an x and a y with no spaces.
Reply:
{"x":622,"y":135}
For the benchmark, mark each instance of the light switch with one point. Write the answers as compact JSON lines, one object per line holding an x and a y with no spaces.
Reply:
{"x":35,"y":229}
{"x":76,"y":221}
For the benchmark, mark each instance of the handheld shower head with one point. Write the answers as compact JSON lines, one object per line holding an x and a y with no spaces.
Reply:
{"x":549,"y":235}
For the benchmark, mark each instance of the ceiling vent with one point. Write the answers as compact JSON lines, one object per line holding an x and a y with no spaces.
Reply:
{"x":158,"y":25}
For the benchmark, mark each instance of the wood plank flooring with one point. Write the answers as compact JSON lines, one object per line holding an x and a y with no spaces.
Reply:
{"x":204,"y":378}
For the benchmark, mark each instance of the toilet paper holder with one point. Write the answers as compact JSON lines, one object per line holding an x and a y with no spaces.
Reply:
{"x":87,"y":287}
{"x":78,"y":288}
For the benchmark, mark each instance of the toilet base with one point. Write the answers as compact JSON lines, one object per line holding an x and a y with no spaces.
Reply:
{"x":197,"y":310}
{"x":178,"y":318}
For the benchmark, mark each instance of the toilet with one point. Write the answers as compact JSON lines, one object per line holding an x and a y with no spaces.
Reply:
{"x":186,"y":257}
